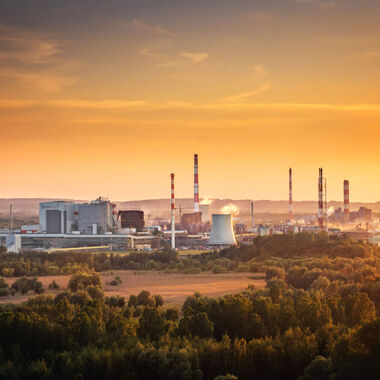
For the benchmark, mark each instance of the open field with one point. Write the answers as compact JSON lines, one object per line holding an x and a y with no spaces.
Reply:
{"x":174,"y":288}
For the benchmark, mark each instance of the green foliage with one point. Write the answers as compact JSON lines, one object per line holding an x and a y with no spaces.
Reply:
{"x":82,"y":280}
{"x":24,"y":284}
{"x":53,"y":285}
{"x":318,"y":317}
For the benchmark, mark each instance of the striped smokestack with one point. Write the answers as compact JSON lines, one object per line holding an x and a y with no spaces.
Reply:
{"x":290,"y":195}
{"x":172,"y":210}
{"x":346,"y":194}
{"x":320,"y":199}
{"x":196,"y":184}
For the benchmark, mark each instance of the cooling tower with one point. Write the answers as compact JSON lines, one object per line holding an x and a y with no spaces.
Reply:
{"x":222,"y":232}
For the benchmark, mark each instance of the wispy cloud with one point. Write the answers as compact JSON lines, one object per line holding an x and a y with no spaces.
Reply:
{"x":32,"y":59}
{"x":146,"y":105}
{"x":260,"y":70}
{"x":195,"y":57}
{"x":143,"y":26}
{"x":246,"y":95}
{"x":185,"y":58}
{"x":150,"y":52}
{"x":44,"y":82}
{"x":26,"y":46}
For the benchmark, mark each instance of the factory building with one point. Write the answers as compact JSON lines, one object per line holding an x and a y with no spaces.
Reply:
{"x":18,"y":242}
{"x":96,"y":217}
{"x":192,"y":222}
{"x":57,"y":217}
{"x":131,"y":219}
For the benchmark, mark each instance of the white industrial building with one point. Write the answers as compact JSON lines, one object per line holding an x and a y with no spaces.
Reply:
{"x":57,"y":217}
{"x":61,"y":217}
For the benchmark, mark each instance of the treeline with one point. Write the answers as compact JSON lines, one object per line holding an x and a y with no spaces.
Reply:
{"x":280,"y":332}
{"x":236,"y":259}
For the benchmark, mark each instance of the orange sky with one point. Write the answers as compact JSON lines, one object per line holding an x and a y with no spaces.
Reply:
{"x":109,"y":97}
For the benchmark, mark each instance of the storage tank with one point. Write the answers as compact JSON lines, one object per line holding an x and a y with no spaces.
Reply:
{"x":222,"y":233}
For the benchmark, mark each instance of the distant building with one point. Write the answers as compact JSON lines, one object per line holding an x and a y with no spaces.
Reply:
{"x":96,"y":217}
{"x":192,"y":222}
{"x":57,"y":217}
{"x":131,"y":219}
{"x":363,"y":213}
{"x":240,"y":228}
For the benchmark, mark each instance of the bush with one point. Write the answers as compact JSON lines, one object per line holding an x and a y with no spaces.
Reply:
{"x":53,"y":285}
{"x":82,"y":280}
{"x":145,"y":299}
{"x":25,"y":284}
{"x":4,"y":292}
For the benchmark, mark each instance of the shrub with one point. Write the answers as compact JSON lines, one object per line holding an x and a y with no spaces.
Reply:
{"x":82,"y":280}
{"x":53,"y":285}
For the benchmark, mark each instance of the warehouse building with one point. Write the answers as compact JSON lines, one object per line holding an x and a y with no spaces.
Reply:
{"x":57,"y":217}
{"x":131,"y":219}
{"x":96,"y":217}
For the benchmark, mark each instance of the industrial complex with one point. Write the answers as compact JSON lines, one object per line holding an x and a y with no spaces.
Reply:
{"x":65,"y":225}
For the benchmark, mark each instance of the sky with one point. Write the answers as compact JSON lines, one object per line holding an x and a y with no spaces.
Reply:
{"x":109,"y":97}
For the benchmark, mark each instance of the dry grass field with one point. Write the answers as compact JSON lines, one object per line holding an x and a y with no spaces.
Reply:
{"x":174,"y":288}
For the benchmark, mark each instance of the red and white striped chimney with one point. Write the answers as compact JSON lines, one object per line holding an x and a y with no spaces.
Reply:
{"x":320,"y":199}
{"x":196,"y":184}
{"x":172,"y":210}
{"x":346,"y":194}
{"x":290,"y":195}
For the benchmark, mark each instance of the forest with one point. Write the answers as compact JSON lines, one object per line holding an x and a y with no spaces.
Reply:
{"x":318,"y":317}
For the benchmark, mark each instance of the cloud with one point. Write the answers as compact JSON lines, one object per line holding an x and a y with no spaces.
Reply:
{"x":195,"y":57}
{"x":245,"y":95}
{"x":48,"y":83}
{"x":143,"y":26}
{"x":187,"y":58}
{"x":260,"y":70}
{"x":26,"y":46}
{"x":149,"y":52}
{"x":151,"y":105}
{"x":32,"y":59}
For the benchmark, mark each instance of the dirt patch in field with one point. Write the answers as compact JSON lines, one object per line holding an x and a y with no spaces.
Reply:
{"x":174,"y":288}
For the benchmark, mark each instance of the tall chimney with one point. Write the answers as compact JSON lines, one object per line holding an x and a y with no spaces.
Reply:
{"x":290,"y":195}
{"x":320,"y":199}
{"x":346,"y":194}
{"x":252,"y":225}
{"x":196,"y":184}
{"x":11,"y":216}
{"x":172,"y":210}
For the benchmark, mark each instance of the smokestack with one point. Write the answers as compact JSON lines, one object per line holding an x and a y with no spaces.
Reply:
{"x":320,"y":198}
{"x":172,"y":210}
{"x":196,"y":184}
{"x":11,"y":216}
{"x":290,"y":195}
{"x":346,"y":195}
{"x":252,"y":225}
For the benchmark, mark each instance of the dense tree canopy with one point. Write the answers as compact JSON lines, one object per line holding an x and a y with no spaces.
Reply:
{"x":318,"y":318}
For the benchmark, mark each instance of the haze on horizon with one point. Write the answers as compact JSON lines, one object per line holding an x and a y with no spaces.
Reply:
{"x":109,"y":97}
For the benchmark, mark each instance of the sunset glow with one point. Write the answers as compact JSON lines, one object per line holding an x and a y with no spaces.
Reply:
{"x":110,"y":100}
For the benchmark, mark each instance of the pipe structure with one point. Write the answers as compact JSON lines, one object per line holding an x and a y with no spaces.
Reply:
{"x":346,"y":195}
{"x":196,"y":184}
{"x":172,"y":210}
{"x":320,"y":199}
{"x":290,"y":195}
